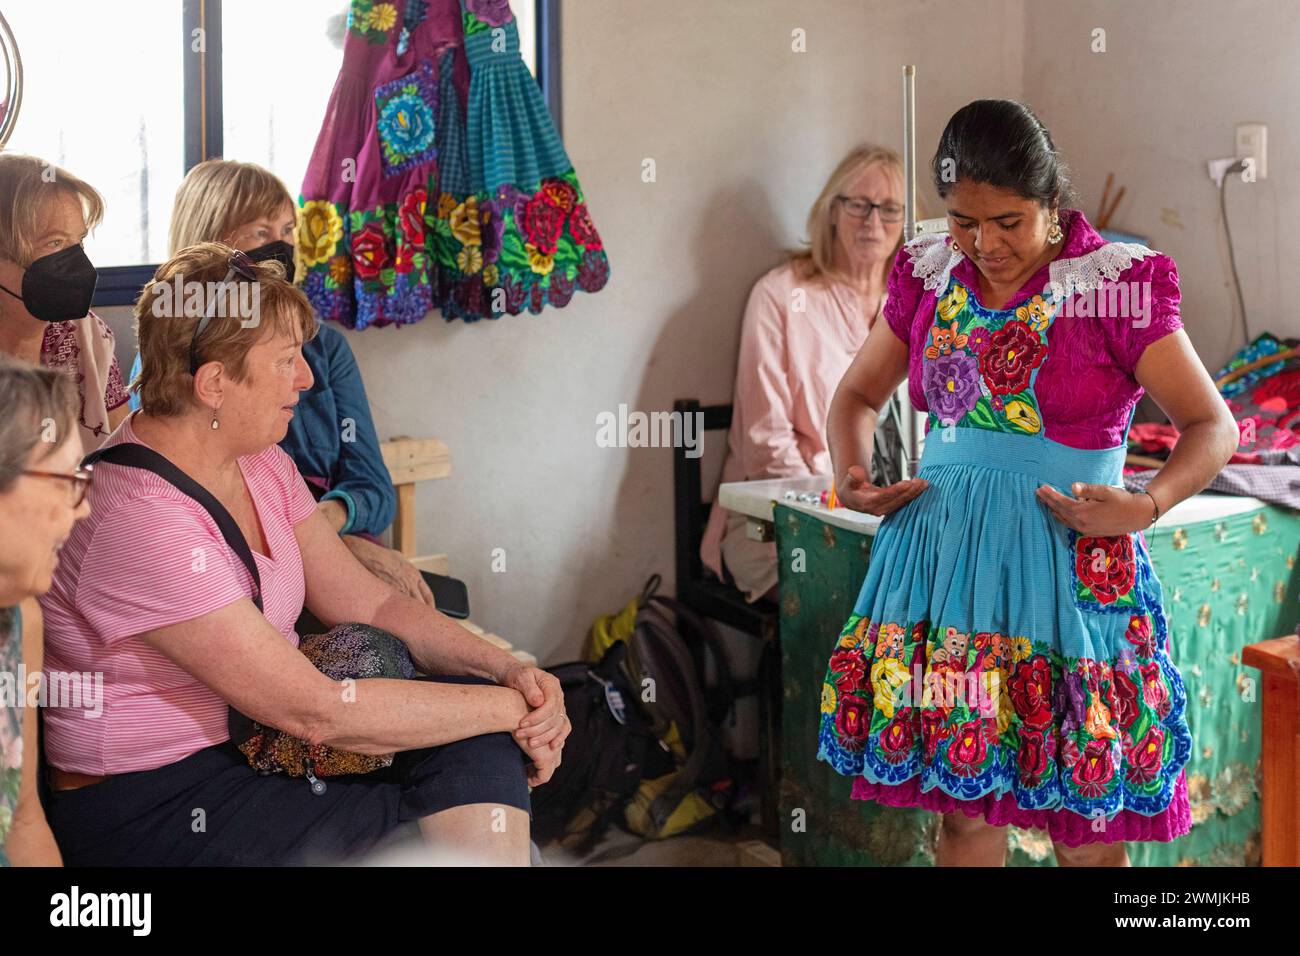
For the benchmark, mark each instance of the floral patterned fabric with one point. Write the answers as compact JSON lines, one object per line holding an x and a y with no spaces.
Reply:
{"x":84,"y":348}
{"x":438,"y":180}
{"x":998,"y":662}
{"x":1088,"y":390}
{"x":11,"y":728}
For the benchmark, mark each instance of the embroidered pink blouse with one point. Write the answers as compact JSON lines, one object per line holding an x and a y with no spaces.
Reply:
{"x":84,"y":349}
{"x":1085,"y":388}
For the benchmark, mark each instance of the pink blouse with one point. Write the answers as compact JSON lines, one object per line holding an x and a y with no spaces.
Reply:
{"x":797,"y":340}
{"x":149,"y":556}
{"x":1085,"y":387}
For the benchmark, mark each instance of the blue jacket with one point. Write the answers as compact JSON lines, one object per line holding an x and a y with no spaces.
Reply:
{"x":356,"y":471}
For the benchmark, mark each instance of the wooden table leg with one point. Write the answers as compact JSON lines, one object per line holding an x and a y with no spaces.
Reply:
{"x":1278,"y":661}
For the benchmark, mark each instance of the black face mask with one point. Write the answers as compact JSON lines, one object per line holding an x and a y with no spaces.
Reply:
{"x":59,"y":287}
{"x":280,"y":251}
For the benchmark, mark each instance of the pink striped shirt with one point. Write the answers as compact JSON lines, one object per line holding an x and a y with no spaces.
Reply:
{"x":149,"y":556}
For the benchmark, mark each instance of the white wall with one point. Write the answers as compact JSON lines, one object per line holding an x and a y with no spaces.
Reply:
{"x":1176,"y":77}
{"x":743,"y":132}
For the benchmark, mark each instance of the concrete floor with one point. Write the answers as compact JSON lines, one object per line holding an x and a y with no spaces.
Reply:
{"x":744,"y":848}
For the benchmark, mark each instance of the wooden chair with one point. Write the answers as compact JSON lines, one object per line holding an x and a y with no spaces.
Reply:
{"x":412,"y":460}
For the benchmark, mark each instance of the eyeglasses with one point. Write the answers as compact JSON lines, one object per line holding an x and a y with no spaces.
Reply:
{"x":81,"y":479}
{"x":861,"y":209}
{"x":239,"y":264}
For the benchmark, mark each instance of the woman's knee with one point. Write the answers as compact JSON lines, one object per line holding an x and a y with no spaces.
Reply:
{"x":958,"y":824}
{"x":1092,"y":854}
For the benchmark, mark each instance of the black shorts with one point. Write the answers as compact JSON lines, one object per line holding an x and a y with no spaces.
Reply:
{"x":213,"y":809}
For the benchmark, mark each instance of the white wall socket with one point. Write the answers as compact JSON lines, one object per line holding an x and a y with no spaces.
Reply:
{"x":1252,"y":140}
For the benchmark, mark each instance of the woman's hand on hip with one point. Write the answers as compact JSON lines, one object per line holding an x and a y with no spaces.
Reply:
{"x":856,"y":492}
{"x":1101,"y":510}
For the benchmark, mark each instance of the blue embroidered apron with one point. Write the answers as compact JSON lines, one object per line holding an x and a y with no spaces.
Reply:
{"x":992,"y":649}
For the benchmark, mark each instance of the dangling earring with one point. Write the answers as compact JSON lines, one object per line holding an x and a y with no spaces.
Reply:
{"x":956,"y":249}
{"x":1054,"y":234}
{"x":215,"y":424}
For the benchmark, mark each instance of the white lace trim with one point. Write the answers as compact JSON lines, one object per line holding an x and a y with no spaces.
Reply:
{"x":932,"y":260}
{"x":1087,"y":272}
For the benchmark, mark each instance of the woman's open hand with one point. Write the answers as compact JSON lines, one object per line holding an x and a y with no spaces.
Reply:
{"x":1098,"y":509}
{"x":856,"y":492}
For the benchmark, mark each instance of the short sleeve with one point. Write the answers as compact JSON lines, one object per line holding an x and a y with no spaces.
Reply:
{"x":153,"y":562}
{"x":902,"y":297}
{"x":115,"y":394}
{"x":1153,"y":312}
{"x":297,"y":497}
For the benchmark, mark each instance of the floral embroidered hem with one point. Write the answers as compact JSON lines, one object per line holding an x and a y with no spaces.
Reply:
{"x":439,"y":180}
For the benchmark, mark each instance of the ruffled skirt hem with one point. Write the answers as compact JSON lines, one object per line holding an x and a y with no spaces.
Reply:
{"x":1064,"y":826}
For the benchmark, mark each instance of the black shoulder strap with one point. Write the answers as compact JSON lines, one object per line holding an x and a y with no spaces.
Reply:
{"x":133,"y":455}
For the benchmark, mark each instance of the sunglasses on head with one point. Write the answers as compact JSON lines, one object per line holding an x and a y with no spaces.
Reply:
{"x":238,"y":265}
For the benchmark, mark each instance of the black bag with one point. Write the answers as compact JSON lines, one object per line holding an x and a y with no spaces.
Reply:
{"x":604,"y":755}
{"x":645,"y":749}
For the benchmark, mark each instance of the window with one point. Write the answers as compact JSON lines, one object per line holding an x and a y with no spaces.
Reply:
{"x":96,"y":104}
{"x":179,"y":81}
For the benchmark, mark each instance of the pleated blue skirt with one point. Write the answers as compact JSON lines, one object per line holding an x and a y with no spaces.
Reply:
{"x":998,"y":657}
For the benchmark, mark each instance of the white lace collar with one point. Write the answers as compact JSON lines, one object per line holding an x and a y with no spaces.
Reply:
{"x":1087,"y":272}
{"x":933,"y":261}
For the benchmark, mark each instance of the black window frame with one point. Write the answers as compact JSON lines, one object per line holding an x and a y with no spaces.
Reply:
{"x":204,"y":119}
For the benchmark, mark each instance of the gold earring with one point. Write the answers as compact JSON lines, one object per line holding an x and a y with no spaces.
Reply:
{"x":215,"y":424}
{"x":1054,"y":234}
{"x":956,"y":249}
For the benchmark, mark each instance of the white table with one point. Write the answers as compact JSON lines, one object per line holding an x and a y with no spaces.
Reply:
{"x":757,"y":498}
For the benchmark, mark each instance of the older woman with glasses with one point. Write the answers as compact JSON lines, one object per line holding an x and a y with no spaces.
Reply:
{"x":805,"y":321}
{"x":42,"y":495}
{"x":200,"y":627}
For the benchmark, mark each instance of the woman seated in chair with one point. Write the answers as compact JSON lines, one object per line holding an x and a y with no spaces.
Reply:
{"x":42,"y":491}
{"x":46,"y":285}
{"x":804,"y":322}
{"x":180,"y":638}
{"x":332,"y":438}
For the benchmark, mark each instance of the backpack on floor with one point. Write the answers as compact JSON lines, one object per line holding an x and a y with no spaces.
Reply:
{"x":645,"y":749}
{"x":604,"y":756}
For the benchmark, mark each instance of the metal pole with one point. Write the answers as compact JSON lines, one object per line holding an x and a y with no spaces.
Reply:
{"x":909,"y":420}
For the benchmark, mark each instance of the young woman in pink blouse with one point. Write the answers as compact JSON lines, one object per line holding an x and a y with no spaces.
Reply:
{"x":1007,"y":660}
{"x":804,"y":322}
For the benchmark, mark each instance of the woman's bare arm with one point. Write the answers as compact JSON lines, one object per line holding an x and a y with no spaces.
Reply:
{"x":236,"y":652}
{"x":877,"y":370}
{"x":339,"y":588}
{"x":30,"y":841}
{"x":1175,"y":378}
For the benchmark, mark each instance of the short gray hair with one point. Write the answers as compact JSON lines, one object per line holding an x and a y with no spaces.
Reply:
{"x":36,"y":401}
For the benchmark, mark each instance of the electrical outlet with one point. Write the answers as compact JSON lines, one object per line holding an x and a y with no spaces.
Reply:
{"x":1252,"y":140}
